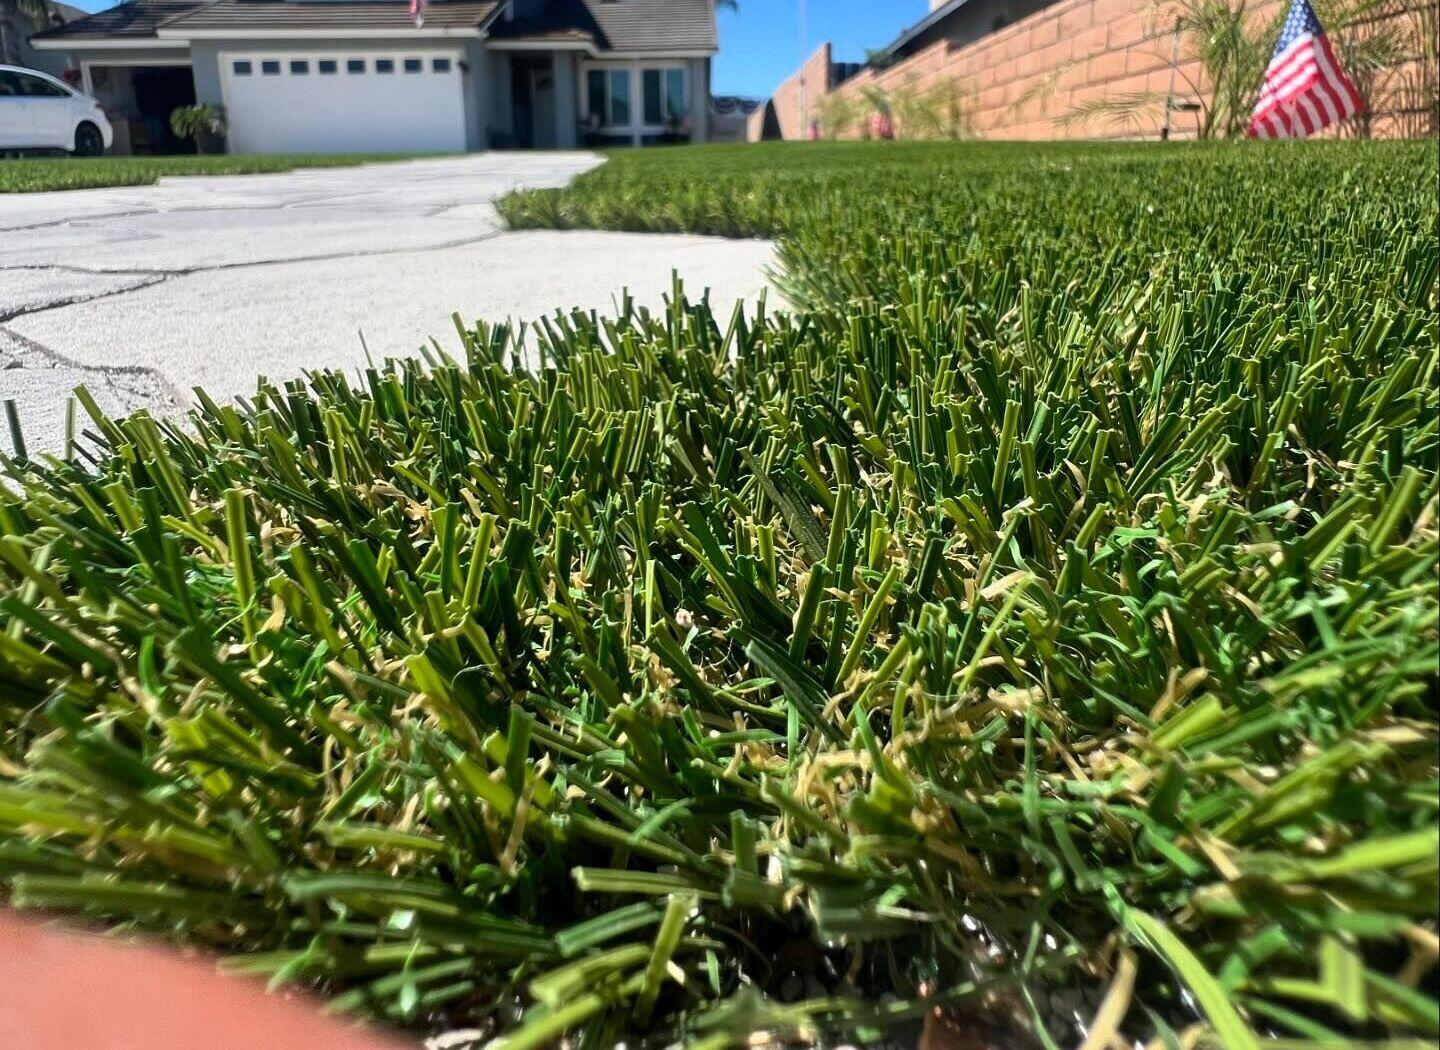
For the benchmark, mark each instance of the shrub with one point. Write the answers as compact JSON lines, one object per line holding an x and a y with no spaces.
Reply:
{"x":203,"y":122}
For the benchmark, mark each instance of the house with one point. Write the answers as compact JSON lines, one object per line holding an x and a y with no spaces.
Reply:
{"x":729,"y":115}
{"x":298,"y":76}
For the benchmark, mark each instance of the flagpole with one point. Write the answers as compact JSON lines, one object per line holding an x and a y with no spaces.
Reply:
{"x":804,"y":60}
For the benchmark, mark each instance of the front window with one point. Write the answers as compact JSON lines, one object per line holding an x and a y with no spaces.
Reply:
{"x":609,"y":97}
{"x":665,"y":97}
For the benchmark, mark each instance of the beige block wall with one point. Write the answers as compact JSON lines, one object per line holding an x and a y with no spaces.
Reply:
{"x":1032,"y":80}
{"x":794,"y":102}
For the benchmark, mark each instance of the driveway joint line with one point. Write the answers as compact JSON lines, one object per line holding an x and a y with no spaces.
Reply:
{"x":186,"y":271}
{"x":76,"y":300}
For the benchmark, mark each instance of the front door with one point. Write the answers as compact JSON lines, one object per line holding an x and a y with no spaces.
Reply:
{"x":532,"y":87}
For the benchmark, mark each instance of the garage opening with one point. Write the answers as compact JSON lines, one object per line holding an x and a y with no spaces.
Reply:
{"x":139,"y":101}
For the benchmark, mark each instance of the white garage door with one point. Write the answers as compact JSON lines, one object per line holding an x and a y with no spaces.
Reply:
{"x":376,"y":102}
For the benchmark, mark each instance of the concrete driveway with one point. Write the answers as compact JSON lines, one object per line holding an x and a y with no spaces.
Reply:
{"x":144,"y":293}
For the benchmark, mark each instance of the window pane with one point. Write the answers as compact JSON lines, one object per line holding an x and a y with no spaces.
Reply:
{"x":326,"y":66}
{"x":413,"y":65}
{"x":270,"y":68}
{"x":440,"y":65}
{"x":677,"y":106}
{"x":620,"y":97}
{"x":9,"y":84}
{"x":242,"y":69}
{"x":650,"y":88}
{"x":299,"y":67}
{"x":37,"y":88}
{"x":595,"y":89}
{"x":354,"y":65}
{"x":384,"y":65}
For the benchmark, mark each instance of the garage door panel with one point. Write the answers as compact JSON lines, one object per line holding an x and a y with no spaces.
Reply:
{"x":344,"y":103}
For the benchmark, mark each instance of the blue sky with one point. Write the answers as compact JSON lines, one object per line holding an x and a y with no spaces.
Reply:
{"x":760,"y":44}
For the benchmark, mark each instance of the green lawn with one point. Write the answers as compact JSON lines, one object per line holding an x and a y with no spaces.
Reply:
{"x":36,"y":174}
{"x":1042,"y":612}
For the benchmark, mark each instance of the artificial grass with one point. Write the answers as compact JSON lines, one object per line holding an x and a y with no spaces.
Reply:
{"x":40,"y":174}
{"x":1049,"y":603}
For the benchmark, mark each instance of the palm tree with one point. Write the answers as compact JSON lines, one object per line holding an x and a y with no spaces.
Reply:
{"x":18,"y":19}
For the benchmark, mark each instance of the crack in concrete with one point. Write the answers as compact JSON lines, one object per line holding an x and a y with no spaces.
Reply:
{"x":142,"y":212}
{"x":187,"y":271}
{"x":72,"y":219}
{"x":115,"y":374}
{"x":88,"y":271}
{"x":76,"y":300}
{"x":123,"y":388}
{"x":177,"y":399}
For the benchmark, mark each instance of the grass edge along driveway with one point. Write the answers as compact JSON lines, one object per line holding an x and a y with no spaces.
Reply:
{"x":42,"y":174}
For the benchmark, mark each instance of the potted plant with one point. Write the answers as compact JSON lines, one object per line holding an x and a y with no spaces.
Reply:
{"x":202,"y":122}
{"x":677,"y":127}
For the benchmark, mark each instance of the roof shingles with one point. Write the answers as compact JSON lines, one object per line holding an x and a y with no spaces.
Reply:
{"x":622,"y":26}
{"x":137,"y":18}
{"x":654,"y":25}
{"x":332,"y":14}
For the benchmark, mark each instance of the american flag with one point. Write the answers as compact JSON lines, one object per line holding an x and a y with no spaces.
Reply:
{"x":1304,"y":89}
{"x":417,"y":12}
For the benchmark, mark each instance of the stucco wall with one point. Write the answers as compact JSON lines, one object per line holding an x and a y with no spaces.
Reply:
{"x":1033,"y":79}
{"x":205,"y":65}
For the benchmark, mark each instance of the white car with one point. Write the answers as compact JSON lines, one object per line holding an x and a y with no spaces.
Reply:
{"x":39,"y":112}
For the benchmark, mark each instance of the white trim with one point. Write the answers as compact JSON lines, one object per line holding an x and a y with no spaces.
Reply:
{"x":317,"y":34}
{"x":537,"y":45}
{"x":173,"y":38}
{"x":117,"y":62}
{"x":590,"y":49}
{"x":118,"y":43}
{"x":87,"y":64}
{"x":653,"y":56}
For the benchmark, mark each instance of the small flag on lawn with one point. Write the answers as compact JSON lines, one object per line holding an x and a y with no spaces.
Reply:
{"x":417,"y":12}
{"x":1304,"y":89}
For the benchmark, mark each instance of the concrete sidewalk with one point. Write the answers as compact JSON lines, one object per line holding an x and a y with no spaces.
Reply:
{"x":143,"y":293}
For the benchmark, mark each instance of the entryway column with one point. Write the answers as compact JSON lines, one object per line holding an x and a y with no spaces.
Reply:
{"x":567,"y":100}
